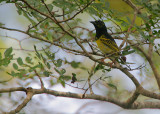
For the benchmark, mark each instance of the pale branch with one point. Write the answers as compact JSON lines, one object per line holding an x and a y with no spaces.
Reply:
{"x":150,"y":50}
{"x":129,"y":29}
{"x":155,"y":71}
{"x":20,"y":43}
{"x":124,"y":104}
{"x":24,"y":103}
{"x":132,"y":5}
{"x":81,"y":10}
{"x":148,"y":56}
{"x":91,"y":73}
{"x":47,"y":7}
{"x":146,"y":105}
{"x":44,"y":14}
{"x":90,"y":85}
{"x":147,"y":93}
{"x":13,"y":89}
{"x":29,"y":28}
{"x":149,"y":59}
{"x":132,"y":99}
{"x":41,"y":81}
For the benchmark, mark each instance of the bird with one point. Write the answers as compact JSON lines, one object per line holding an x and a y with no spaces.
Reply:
{"x":104,"y":40}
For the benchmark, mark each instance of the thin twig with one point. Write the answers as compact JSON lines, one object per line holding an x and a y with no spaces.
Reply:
{"x":42,"y":84}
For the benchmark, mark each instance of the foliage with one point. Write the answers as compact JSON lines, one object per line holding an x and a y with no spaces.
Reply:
{"x":56,"y":23}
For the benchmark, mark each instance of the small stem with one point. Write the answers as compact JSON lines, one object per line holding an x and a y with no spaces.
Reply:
{"x":42,"y":84}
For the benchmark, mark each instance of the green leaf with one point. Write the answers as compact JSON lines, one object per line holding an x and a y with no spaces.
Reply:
{"x":108,"y":70}
{"x":13,"y":73}
{"x":19,"y":61}
{"x":28,"y":60}
{"x":63,"y":71}
{"x":127,"y":52}
{"x":41,"y":65}
{"x":112,"y":85}
{"x":36,"y":66}
{"x":57,"y":70}
{"x":49,"y":54}
{"x":52,"y":82}
{"x":48,"y":65}
{"x":147,"y":26}
{"x":43,"y":58}
{"x":58,"y":63}
{"x":67,"y":78}
{"x":98,"y":67}
{"x":104,"y":78}
{"x":37,"y":53}
{"x":73,"y":74}
{"x":62,"y":82}
{"x":49,"y":36}
{"x":8,"y":52}
{"x":129,"y":20}
{"x":75,"y":64}
{"x":15,"y":66}
{"x":52,"y":56}
{"x":46,"y":73}
{"x":151,"y":22}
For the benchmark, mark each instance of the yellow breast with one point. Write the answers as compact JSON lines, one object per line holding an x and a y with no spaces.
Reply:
{"x":104,"y":48}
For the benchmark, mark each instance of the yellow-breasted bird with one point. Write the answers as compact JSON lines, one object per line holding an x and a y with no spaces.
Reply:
{"x":105,"y":41}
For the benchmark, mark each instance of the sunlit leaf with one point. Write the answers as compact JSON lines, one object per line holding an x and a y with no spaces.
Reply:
{"x":15,"y":66}
{"x":20,"y":61}
{"x":8,"y":52}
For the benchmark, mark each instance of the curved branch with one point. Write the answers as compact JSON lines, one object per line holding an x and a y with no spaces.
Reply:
{"x":135,"y":81}
{"x":24,"y":103}
{"x":30,"y":92}
{"x":132,"y":99}
{"x":149,"y":59}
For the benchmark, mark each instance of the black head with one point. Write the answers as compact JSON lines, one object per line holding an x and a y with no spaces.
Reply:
{"x":98,"y":24}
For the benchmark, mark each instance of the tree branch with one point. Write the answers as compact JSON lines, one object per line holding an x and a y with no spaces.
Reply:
{"x":30,"y":92}
{"x":42,"y":84}
{"x":149,"y":59}
{"x":24,"y":103}
{"x":132,"y":5}
{"x":132,"y":99}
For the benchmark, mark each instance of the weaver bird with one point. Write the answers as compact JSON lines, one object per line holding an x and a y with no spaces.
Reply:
{"x":105,"y":41}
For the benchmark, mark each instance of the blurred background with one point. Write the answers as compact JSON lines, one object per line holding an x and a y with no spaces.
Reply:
{"x":40,"y":104}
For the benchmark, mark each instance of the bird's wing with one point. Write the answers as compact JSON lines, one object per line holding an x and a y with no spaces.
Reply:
{"x":108,"y":42}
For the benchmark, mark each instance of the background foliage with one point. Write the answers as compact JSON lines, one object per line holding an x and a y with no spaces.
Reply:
{"x":59,"y":49}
